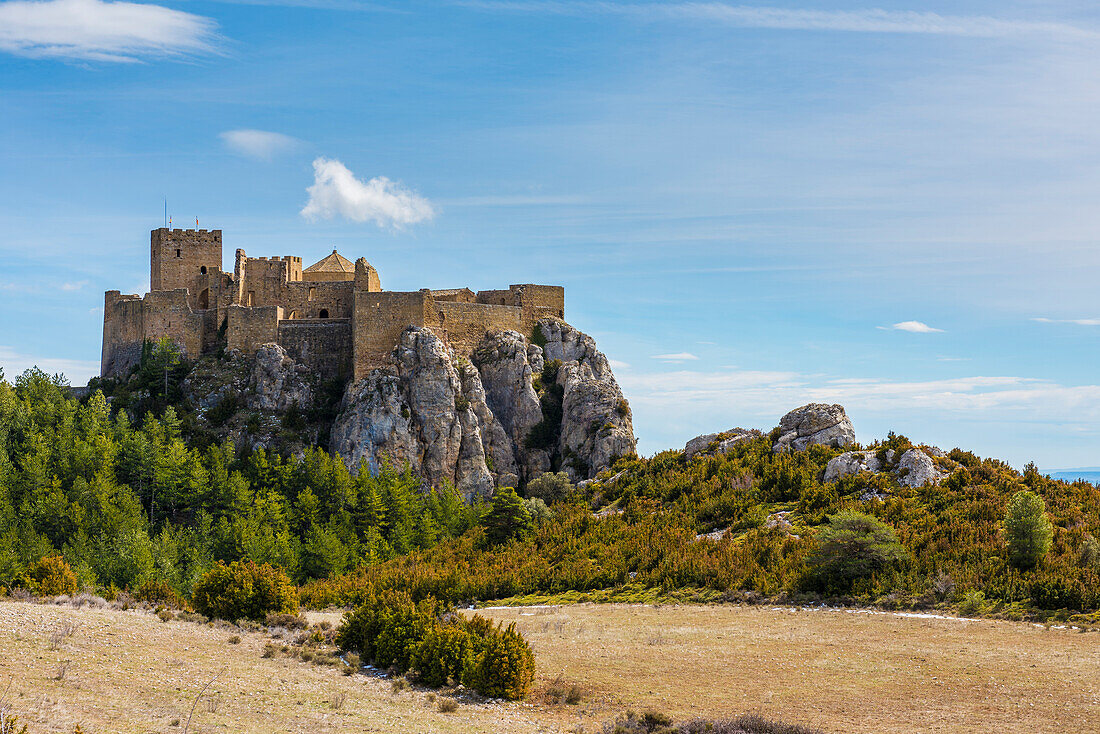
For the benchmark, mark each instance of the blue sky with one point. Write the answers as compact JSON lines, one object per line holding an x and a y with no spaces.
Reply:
{"x":887,"y":205}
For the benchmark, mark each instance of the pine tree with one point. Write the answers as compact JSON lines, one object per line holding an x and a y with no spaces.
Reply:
{"x":507,"y":517}
{"x":1027,"y":529}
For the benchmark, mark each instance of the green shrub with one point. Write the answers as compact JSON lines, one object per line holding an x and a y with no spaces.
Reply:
{"x":973,"y":602}
{"x":50,"y":576}
{"x":9,"y":724}
{"x":1027,"y":529}
{"x":159,"y":592}
{"x":852,"y":546}
{"x":549,"y":487}
{"x":505,"y":668}
{"x":244,"y":590}
{"x":444,"y":655}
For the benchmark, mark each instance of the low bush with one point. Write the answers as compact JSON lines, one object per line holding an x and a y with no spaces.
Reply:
{"x":505,"y":668}
{"x":246,"y":590}
{"x":49,"y":576}
{"x":437,"y":646}
{"x":156,"y":591}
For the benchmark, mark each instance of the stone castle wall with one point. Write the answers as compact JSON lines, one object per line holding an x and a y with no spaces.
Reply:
{"x":377,"y":322}
{"x":337,"y":326}
{"x":322,"y":345}
{"x":248,"y":328}
{"x":464,"y":325}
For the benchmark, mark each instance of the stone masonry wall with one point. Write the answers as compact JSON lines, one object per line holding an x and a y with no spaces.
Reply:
{"x":378,"y":320}
{"x":123,"y":333}
{"x":463,"y":325}
{"x":323,"y":346}
{"x":167,"y":314}
{"x":177,"y":256}
{"x":248,"y":328}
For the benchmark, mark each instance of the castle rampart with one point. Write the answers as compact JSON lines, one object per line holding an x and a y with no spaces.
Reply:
{"x":332,"y":316}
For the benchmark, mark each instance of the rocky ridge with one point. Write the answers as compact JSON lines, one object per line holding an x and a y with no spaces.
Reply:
{"x":829,"y":425}
{"x":519,"y":408}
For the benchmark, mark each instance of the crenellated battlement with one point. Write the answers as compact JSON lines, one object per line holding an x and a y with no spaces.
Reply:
{"x":332,"y":315}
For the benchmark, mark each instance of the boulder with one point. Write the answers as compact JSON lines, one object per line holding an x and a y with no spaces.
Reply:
{"x":815,"y":423}
{"x":851,"y":462}
{"x":916,"y":468}
{"x":723,"y":442}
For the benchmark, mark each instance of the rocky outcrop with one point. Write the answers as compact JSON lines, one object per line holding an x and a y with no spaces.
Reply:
{"x":277,"y":382}
{"x":508,"y":365}
{"x":815,"y":423}
{"x":916,"y":468}
{"x":852,"y":462}
{"x":470,"y":423}
{"x":721,"y":442}
{"x":595,"y":426}
{"x":420,"y":413}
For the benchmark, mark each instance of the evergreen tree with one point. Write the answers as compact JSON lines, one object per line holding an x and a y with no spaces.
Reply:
{"x":1027,"y":529}
{"x":507,"y":517}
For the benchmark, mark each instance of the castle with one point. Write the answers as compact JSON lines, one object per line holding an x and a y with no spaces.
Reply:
{"x":333,"y":316}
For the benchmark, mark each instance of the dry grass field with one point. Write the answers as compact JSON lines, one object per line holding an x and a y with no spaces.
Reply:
{"x":838,"y":671}
{"x":130,"y":672}
{"x":835,"y":670}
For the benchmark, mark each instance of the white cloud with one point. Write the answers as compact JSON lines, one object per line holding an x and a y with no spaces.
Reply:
{"x":101,"y":31}
{"x":259,"y":144}
{"x":336,"y":192}
{"x":78,"y":371}
{"x":676,"y":357}
{"x":914,"y":327}
{"x":859,"y":21}
{"x":74,"y":286}
{"x":756,"y":393}
{"x":618,"y":364}
{"x":1078,"y":322}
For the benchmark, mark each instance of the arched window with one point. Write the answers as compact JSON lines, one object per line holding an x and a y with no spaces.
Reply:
{"x":178,"y":253}
{"x":203,"y":270}
{"x":324,"y":313}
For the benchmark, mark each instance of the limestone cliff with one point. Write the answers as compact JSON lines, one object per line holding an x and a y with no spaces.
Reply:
{"x":518,"y":409}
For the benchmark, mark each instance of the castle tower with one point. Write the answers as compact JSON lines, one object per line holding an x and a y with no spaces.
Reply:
{"x":178,"y":257}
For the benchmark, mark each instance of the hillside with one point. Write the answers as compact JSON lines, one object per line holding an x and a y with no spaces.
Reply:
{"x":739,"y":515}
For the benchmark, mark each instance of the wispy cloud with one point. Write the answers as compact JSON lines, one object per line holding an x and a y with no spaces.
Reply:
{"x":617,"y":364}
{"x":745,"y":16}
{"x":913,"y":327}
{"x":78,"y":371}
{"x":261,"y":145}
{"x":1078,"y":322}
{"x":93,"y":30}
{"x":676,"y":357}
{"x":74,"y":286}
{"x":336,"y":192}
{"x":773,"y":393}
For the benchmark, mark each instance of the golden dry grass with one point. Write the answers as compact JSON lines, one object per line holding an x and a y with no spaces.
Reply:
{"x":834,"y":670}
{"x":130,"y":672}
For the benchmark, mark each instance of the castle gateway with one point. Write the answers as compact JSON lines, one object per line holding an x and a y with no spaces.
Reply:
{"x":332,"y":316}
